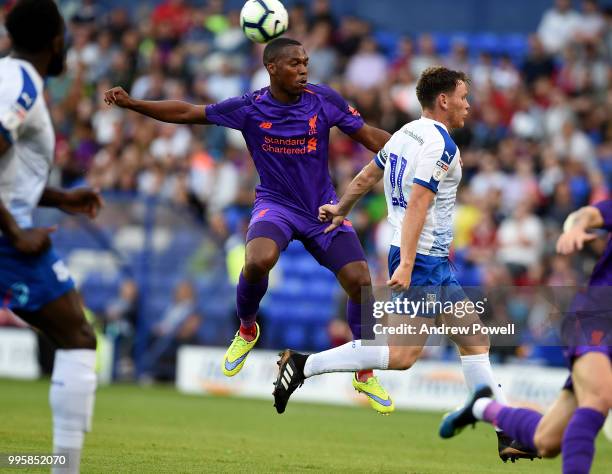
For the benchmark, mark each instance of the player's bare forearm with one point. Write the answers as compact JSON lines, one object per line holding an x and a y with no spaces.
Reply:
{"x":412,"y":225}
{"x":52,"y":197}
{"x":171,"y":111}
{"x":587,"y":217}
{"x":85,"y":201}
{"x":374,"y":139}
{"x":359,"y":186}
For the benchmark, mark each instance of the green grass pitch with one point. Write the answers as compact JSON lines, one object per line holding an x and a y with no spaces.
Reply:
{"x":156,"y":429}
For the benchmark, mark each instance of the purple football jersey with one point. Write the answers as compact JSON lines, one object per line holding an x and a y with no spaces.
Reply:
{"x":289,"y":142}
{"x":602,"y":273}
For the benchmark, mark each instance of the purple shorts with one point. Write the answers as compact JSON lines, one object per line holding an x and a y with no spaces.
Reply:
{"x":572,"y":353}
{"x":587,"y":327}
{"x":282,"y":224}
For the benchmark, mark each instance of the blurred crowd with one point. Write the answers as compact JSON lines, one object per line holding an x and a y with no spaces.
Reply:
{"x":537,"y":145}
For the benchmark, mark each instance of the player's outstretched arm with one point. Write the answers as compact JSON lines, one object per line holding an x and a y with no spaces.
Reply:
{"x":575,"y":229}
{"x":412,"y":226}
{"x":75,"y":201}
{"x":360,"y":185}
{"x":371,"y":137}
{"x":172,"y":111}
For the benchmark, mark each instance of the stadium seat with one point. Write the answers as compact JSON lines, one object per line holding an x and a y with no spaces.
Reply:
{"x":515,"y":45}
{"x":387,"y":42}
{"x":443,"y":41}
{"x":485,"y":42}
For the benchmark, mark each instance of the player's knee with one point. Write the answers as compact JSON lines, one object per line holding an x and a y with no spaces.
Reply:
{"x":598,"y":398}
{"x":80,"y":337}
{"x":258,"y":266}
{"x":603,"y":397}
{"x":547,"y":446}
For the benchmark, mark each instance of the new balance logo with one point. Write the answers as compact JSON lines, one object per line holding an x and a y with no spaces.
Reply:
{"x":265,"y":125}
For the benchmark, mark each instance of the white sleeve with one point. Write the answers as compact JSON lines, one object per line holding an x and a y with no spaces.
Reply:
{"x":17,"y":96}
{"x":381,"y":159}
{"x":383,"y":155}
{"x":435,"y":161}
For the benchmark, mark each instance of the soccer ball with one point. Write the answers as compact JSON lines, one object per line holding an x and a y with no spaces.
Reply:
{"x":263,"y":20}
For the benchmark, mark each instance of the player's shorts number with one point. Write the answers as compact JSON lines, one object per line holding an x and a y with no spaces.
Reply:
{"x":61,"y":271}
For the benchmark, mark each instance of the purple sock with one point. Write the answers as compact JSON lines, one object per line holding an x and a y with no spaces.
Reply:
{"x":361,"y":324}
{"x":518,"y":423}
{"x":353,"y":317}
{"x":491,"y":412}
{"x":578,"y":446}
{"x":248,"y":296}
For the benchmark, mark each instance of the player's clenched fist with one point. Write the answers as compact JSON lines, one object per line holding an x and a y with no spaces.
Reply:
{"x":400,"y":280}
{"x":117,"y":96}
{"x":82,"y":201}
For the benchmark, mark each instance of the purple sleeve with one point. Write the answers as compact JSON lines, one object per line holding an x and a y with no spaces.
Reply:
{"x":342,"y":115}
{"x":605,"y":208}
{"x":229,"y":113}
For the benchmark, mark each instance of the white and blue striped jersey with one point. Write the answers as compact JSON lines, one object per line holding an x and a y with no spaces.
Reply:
{"x":26,"y":124}
{"x":422,"y":153}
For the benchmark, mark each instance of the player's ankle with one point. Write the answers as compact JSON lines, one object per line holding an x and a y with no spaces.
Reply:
{"x":364,"y":375}
{"x":248,"y":333}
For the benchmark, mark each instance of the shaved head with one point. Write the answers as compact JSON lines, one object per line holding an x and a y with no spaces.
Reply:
{"x":275,"y":49}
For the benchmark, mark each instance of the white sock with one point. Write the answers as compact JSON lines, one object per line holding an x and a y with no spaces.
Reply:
{"x":73,"y":386}
{"x":349,"y":357}
{"x":480,"y":406}
{"x":477,"y":371}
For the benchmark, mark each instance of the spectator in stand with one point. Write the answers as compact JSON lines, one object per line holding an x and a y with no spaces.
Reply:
{"x":426,"y":55}
{"x":120,"y":320}
{"x":572,"y":144}
{"x":558,"y":26}
{"x":367,"y":68}
{"x":170,"y":20}
{"x":538,"y":62}
{"x":181,"y":318}
{"x":521,"y":239}
{"x":591,"y":23}
{"x":323,"y":58}
{"x":178,"y":325}
{"x":459,"y":59}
